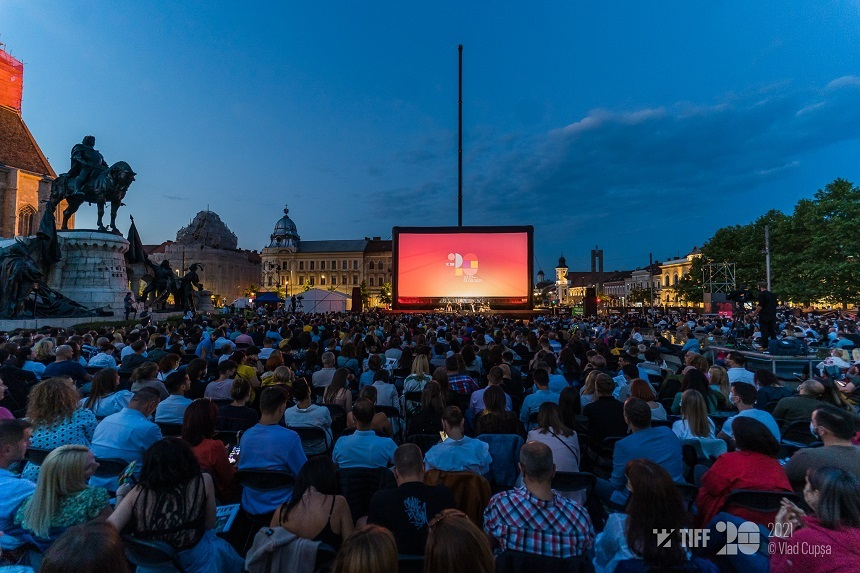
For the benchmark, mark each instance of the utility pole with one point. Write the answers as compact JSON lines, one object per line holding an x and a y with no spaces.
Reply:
{"x":460,"y":142}
{"x":767,"y":253}
{"x":651,"y":277}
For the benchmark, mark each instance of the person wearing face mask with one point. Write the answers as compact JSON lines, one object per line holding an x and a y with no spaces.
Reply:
{"x":835,"y":428}
{"x":743,"y":396}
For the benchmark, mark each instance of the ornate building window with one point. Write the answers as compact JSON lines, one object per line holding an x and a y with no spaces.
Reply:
{"x":27,"y":221}
{"x":370,"y":266}
{"x":371,"y":279}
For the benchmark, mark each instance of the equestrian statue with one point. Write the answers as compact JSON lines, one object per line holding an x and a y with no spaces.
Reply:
{"x":90,"y":179}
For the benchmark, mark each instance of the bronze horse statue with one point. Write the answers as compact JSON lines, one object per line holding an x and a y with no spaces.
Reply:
{"x":109,"y":186}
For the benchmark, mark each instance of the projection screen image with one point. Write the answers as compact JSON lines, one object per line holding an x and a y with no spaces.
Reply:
{"x":462,"y":264}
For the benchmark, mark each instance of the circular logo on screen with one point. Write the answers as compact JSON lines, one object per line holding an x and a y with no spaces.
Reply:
{"x":464,"y":265}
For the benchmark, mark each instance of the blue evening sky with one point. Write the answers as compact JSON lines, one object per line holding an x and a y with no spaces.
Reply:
{"x":636,"y":126}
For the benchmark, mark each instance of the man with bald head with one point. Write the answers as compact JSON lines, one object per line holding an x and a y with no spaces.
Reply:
{"x":800,"y":407}
{"x":534,"y":518}
{"x":66,"y":366}
{"x":407,"y":510}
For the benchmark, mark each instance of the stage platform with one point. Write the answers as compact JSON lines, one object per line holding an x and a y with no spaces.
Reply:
{"x":514,"y":313}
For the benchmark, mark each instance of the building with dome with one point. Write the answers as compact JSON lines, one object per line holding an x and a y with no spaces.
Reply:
{"x":228,"y":272}
{"x":291,"y":265}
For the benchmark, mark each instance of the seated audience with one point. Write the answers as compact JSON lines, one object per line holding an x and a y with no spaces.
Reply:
{"x":370,"y":549}
{"x":380,"y":423}
{"x":386,"y":391}
{"x":308,"y":415}
{"x":322,"y":377}
{"x":695,"y":379}
{"x":174,"y":502}
{"x":338,"y":393}
{"x":743,"y":397}
{"x":52,"y":409}
{"x":127,"y":434}
{"x":237,"y":416}
{"x":363,"y":448}
{"x":800,"y":407}
{"x":172,"y":409}
{"x":459,"y":381}
{"x":834,"y":497}
{"x":315,"y":511}
{"x":736,"y":369}
{"x":659,"y":445}
{"x":14,"y":439}
{"x":458,"y":452}
{"x":694,"y":422}
{"x":835,"y":428}
{"x":454,"y":543}
{"x":534,"y":518}
{"x":416,"y":381}
{"x":66,"y":365}
{"x":146,"y":376}
{"x":494,"y":416}
{"x":559,"y":438}
{"x":655,"y":504}
{"x":62,"y":497}
{"x":641,"y":389}
{"x":605,"y":414}
{"x":219,"y":389}
{"x":532,"y":402}
{"x":198,"y":429}
{"x":770,"y":389}
{"x":719,"y":382}
{"x":272,"y":447}
{"x":91,"y":547}
{"x":494,"y":378}
{"x":407,"y":510}
{"x":752,"y":466}
{"x":105,"y":398}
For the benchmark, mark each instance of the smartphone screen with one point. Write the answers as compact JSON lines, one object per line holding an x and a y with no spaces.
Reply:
{"x":443,"y":435}
{"x":234,"y":455}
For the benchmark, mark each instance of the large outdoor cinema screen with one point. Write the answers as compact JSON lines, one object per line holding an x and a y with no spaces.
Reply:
{"x":437,"y":265}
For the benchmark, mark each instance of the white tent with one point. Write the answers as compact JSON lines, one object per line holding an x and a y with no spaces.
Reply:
{"x":318,"y":300}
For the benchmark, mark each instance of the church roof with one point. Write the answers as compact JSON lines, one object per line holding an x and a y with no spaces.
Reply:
{"x":18,"y":148}
{"x":209,"y":230}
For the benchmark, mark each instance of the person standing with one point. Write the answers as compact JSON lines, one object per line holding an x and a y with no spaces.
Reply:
{"x":766,"y":313}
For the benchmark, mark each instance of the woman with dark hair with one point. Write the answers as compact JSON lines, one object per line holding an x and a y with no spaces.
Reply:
{"x":753,"y":465}
{"x":472,"y":360}
{"x":568,"y":364}
{"x":315,"y":511}
{"x":834,"y":497}
{"x":167,"y":366}
{"x":237,"y":416}
{"x":348,"y":358}
{"x":374,"y":363}
{"x":198,"y":429}
{"x":695,"y":379}
{"x":454,"y":543}
{"x":560,"y":438}
{"x":770,"y":389}
{"x":495,"y":418}
{"x":104,"y":398}
{"x":175,"y":503}
{"x":428,"y":420}
{"x":641,"y":389}
{"x":338,"y":393}
{"x":196,"y":371}
{"x":404,"y":363}
{"x":569,"y":406}
{"x":92,"y":547}
{"x":655,"y":504}
{"x":146,"y":376}
{"x":310,"y":364}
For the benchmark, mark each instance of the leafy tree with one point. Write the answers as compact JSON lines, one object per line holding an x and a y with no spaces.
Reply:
{"x":365,"y":294}
{"x":642,"y":295}
{"x":385,"y":293}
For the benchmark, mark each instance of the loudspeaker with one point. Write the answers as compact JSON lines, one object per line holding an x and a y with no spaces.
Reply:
{"x":356,"y":299}
{"x":589,"y":305}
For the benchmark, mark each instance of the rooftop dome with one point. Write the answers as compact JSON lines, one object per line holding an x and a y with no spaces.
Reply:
{"x":285,"y":234}
{"x":207,"y":229}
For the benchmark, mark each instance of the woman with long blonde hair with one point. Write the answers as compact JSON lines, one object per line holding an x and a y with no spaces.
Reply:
{"x":62,"y":497}
{"x":589,"y":389}
{"x":720,"y":380}
{"x":415,"y":382}
{"x":694,"y":422}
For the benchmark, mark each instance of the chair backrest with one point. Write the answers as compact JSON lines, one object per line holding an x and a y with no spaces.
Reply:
{"x":423,"y":441}
{"x":357,"y":485}
{"x":229,"y":438}
{"x":762,"y":501}
{"x":312,"y":436}
{"x":515,"y":561}
{"x":110,"y":467}
{"x":412,"y":396}
{"x":389,"y":411}
{"x":689,"y":493}
{"x":797,"y":432}
{"x":471,"y":491}
{"x":504,"y":453}
{"x":169,"y":429}
{"x":148,"y":553}
{"x":36,"y":456}
{"x":571,"y":482}
{"x":265,"y":480}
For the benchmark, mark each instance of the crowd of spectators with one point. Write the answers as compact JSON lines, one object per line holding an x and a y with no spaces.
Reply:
{"x":428,"y":441}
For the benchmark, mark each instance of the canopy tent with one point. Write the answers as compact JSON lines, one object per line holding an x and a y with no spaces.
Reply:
{"x":317,"y":300}
{"x":268,"y":297}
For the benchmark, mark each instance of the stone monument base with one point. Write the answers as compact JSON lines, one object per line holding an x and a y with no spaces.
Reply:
{"x":92,"y":270}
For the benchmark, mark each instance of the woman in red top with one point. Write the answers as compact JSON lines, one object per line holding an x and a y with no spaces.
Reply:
{"x":828,"y":542}
{"x":752,"y":466}
{"x":198,"y":429}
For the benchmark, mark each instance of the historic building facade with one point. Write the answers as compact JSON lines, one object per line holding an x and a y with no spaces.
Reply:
{"x":227,"y":271}
{"x":291,"y":265}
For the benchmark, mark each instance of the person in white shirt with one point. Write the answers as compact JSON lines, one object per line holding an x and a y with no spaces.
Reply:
{"x":171,"y":410}
{"x":736,"y":369}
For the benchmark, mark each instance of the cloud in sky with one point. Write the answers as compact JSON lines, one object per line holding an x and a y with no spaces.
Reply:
{"x":614,"y":175}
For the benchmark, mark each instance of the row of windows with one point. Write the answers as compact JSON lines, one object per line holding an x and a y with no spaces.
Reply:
{"x":335,"y":280}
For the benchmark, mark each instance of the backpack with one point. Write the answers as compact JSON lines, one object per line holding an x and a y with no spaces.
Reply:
{"x":277,"y":550}
{"x":788,"y":347}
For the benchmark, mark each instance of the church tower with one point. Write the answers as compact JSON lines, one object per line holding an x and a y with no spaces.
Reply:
{"x":561,"y":280}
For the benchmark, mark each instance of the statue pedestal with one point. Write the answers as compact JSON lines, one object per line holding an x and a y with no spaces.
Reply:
{"x":203,"y":300}
{"x":92,"y":270}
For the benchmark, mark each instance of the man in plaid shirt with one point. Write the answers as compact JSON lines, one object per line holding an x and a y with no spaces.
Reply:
{"x":459,"y":383}
{"x":535,"y":519}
